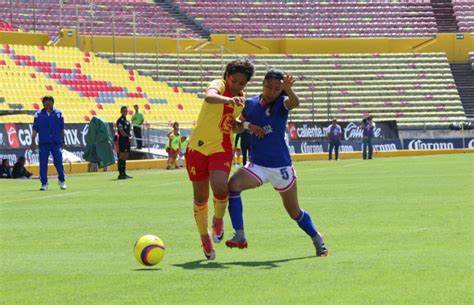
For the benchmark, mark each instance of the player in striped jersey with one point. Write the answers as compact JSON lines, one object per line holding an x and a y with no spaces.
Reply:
{"x":209,"y":153}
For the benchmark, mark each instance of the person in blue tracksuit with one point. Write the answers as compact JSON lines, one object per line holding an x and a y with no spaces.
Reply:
{"x":49,"y":126}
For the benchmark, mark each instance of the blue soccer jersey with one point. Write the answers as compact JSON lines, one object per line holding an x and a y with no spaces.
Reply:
{"x":271,"y":150}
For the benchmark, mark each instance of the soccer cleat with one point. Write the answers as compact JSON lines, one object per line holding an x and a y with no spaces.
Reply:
{"x":122,"y":177}
{"x":237,"y":242}
{"x":217,"y":230}
{"x":62,"y":185}
{"x":128,"y":177}
{"x":208,"y":247}
{"x":43,"y":187}
{"x":321,"y":249}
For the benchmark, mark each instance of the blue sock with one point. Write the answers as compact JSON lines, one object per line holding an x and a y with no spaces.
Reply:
{"x":236,"y":210}
{"x":306,"y":224}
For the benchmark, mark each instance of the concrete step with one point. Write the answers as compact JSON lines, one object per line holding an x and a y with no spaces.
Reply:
{"x":183,"y":18}
{"x":464,"y":79}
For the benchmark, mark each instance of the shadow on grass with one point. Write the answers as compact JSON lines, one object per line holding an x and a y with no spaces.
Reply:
{"x":147,"y":269}
{"x":203,"y":264}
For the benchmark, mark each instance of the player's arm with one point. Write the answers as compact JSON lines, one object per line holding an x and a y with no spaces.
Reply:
{"x":238,"y":127}
{"x":258,"y":131}
{"x":35,"y":132}
{"x":33,"y":140}
{"x":121,"y":131}
{"x":293,"y":100}
{"x":63,"y":143}
{"x":213,"y":97}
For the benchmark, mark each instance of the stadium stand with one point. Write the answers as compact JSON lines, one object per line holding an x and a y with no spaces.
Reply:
{"x":6,"y":27}
{"x":417,"y":90}
{"x":326,"y":19}
{"x":444,"y":14}
{"x":463,"y":74}
{"x":83,"y":85}
{"x":104,"y":17}
{"x":258,"y":19}
{"x":464,"y":12}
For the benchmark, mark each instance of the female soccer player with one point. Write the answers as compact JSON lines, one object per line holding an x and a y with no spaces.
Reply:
{"x":209,"y":154}
{"x":266,"y":117}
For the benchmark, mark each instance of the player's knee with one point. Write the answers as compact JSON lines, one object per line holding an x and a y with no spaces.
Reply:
{"x":201,"y":199}
{"x":234,"y":185}
{"x":295,"y":215}
{"x":220,"y":190}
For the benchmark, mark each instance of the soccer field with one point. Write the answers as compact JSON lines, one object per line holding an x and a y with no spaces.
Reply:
{"x":399,"y":231}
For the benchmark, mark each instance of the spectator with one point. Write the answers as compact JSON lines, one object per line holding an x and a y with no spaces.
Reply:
{"x":6,"y":169}
{"x":137,"y":122}
{"x":368,"y":137}
{"x":19,"y":170}
{"x":334,"y":137}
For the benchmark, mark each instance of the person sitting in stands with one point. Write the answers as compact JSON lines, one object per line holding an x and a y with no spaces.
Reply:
{"x":5,"y":169}
{"x":19,"y":170}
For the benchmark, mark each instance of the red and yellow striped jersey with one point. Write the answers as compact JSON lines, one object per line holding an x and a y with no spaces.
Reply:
{"x":213,"y":132}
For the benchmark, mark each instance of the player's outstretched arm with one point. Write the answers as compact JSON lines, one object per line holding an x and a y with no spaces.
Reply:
{"x":213,"y":97}
{"x":293,"y":100}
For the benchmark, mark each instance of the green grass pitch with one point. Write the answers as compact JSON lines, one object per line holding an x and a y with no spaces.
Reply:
{"x":399,"y":231}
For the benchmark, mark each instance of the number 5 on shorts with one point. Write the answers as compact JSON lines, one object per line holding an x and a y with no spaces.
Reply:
{"x":284,"y":173}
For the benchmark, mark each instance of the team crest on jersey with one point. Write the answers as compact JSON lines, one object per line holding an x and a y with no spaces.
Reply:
{"x":226,"y":123}
{"x":268,"y":111}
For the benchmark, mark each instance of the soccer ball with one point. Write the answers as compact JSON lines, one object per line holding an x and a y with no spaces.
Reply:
{"x":149,"y":250}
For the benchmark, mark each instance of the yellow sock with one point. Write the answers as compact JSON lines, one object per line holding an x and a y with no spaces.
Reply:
{"x":219,"y":206}
{"x":200,"y":215}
